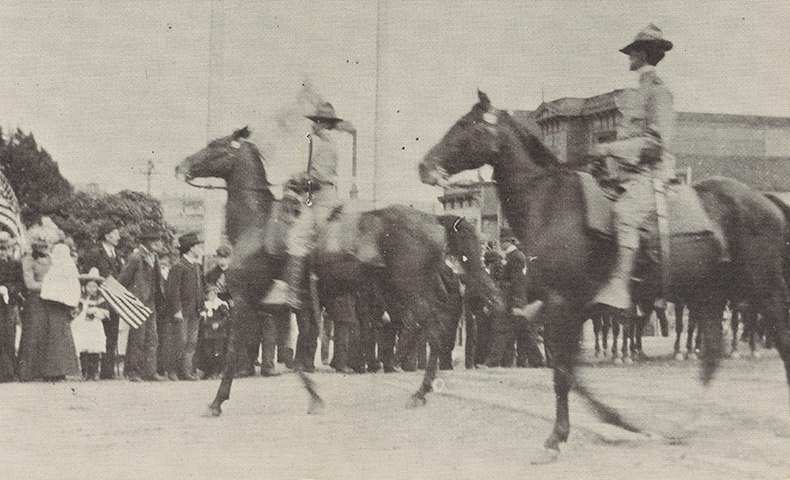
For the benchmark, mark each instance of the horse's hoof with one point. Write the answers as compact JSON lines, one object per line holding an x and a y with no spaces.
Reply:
{"x":597,"y":354}
{"x":617,"y":361}
{"x":545,"y":456}
{"x":212,"y":411}
{"x":628,"y":360}
{"x":756,"y":355}
{"x":734,"y":354}
{"x":416,"y":400}
{"x":316,"y":407}
{"x":692,"y":356}
{"x":679,"y":356}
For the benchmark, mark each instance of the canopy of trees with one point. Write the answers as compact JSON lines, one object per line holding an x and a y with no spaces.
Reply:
{"x":43,"y":191}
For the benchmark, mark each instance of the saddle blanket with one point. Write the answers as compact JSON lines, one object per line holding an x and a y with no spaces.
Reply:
{"x":685,"y":215}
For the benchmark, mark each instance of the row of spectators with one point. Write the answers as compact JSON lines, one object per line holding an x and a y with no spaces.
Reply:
{"x":68,"y":329}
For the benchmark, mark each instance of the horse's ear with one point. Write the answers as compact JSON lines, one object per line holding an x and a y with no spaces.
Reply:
{"x":484,"y":101}
{"x":242,"y":133}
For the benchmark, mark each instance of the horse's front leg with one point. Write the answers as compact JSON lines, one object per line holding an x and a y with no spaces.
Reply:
{"x":418,"y":399}
{"x":562,"y":330}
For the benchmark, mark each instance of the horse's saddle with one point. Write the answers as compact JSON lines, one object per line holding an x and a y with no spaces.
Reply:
{"x":693,"y":237}
{"x":344,"y":232}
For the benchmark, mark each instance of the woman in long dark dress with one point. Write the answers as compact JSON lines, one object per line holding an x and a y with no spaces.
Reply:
{"x":46,"y":349}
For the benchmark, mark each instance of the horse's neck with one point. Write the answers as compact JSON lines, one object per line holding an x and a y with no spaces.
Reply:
{"x":526,"y":170}
{"x":249,"y":204}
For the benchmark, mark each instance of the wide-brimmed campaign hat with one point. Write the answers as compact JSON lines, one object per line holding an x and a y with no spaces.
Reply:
{"x":324,"y":112}
{"x":650,"y":38}
{"x":92,"y":275}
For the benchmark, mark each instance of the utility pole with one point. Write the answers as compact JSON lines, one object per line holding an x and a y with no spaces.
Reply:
{"x":149,"y":172}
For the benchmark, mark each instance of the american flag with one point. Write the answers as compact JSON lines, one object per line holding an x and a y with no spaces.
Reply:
{"x":129,"y":308}
{"x":9,"y":209}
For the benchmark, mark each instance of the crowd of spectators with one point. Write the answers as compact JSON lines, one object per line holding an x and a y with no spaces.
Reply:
{"x":55,"y":323}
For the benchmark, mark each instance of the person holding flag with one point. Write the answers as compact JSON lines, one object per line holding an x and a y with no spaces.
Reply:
{"x":142,"y":278}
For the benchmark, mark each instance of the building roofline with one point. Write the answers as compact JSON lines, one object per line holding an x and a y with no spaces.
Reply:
{"x":757,"y":120}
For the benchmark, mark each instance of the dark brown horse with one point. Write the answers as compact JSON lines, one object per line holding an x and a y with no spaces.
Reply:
{"x":543,"y":202}
{"x":404,"y":251}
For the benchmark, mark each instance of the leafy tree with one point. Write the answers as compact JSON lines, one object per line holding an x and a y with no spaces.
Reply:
{"x":33,"y":175}
{"x":81,"y":215}
{"x":43,"y":191}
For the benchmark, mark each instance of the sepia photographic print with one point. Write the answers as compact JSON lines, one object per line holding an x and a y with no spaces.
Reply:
{"x":383,"y":239}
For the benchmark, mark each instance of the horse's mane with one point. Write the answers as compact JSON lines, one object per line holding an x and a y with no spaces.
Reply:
{"x":539,"y":152}
{"x":262,"y":160}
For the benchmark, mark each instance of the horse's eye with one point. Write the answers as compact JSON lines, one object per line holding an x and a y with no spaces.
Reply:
{"x":235,"y":144}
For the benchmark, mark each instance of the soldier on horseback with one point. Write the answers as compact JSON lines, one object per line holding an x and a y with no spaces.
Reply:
{"x":315,"y":192}
{"x":639,"y":155}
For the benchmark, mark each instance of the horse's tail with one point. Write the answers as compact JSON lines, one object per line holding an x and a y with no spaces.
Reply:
{"x":463,"y":244}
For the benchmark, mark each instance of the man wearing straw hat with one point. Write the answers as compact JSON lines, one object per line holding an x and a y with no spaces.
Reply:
{"x":639,"y":154}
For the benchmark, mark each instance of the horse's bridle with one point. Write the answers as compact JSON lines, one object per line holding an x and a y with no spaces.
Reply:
{"x":491,"y":124}
{"x":189,"y":180}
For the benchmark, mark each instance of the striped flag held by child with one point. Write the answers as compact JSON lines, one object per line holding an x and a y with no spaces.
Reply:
{"x":129,"y":308}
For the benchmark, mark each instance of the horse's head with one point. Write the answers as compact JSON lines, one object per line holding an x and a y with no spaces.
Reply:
{"x":221,"y":158}
{"x":471,"y":143}
{"x":487,"y":136}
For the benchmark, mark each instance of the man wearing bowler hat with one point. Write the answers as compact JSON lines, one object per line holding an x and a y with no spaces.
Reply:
{"x":639,"y":155}
{"x":104,"y":258}
{"x":185,"y":297}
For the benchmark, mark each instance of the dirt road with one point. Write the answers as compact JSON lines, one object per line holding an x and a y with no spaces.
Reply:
{"x":482,"y":424}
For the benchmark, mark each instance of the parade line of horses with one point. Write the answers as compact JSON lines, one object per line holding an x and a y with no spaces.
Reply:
{"x":546,"y":205}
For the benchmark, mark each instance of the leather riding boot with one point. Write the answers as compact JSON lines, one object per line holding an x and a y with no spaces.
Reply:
{"x":616,"y":292}
{"x":287,"y":292}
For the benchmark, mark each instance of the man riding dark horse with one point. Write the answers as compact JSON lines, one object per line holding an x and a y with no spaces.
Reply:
{"x":639,"y":156}
{"x":315,"y":192}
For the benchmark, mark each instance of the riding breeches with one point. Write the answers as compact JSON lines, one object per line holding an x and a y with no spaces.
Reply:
{"x":301,"y":235}
{"x":633,"y":208}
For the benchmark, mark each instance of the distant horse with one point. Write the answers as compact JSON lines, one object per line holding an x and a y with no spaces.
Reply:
{"x":753,"y":328}
{"x":605,"y":321}
{"x":693,"y":334}
{"x":410,"y":247}
{"x":543,"y":201}
{"x":602,"y":324}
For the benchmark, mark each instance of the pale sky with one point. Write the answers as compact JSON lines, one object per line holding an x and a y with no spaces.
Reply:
{"x":107,"y":86}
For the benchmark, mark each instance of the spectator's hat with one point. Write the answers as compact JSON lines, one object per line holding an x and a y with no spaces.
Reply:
{"x":187,"y":241}
{"x":92,"y":275}
{"x":224,"y":251}
{"x":6,"y":240}
{"x":324,"y":112}
{"x":105,"y":227}
{"x":651,"y":38}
